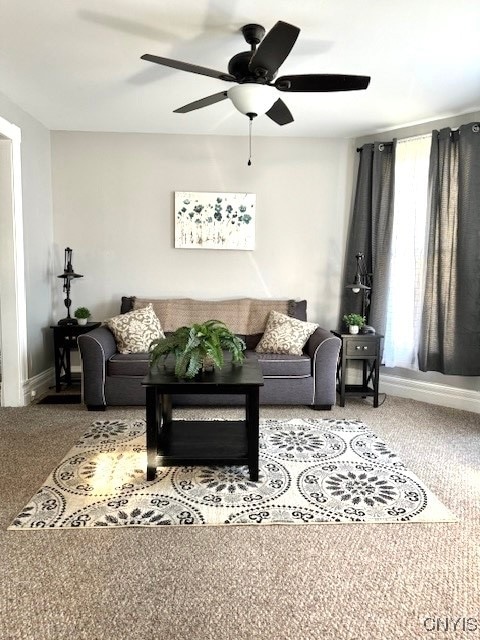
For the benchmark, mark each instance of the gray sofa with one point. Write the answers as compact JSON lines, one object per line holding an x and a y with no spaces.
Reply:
{"x":110,"y":378}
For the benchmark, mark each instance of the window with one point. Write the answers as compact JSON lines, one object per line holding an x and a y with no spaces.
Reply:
{"x":408,"y":259}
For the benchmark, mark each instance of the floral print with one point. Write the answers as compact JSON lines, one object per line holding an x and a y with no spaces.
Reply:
{"x":214,"y":220}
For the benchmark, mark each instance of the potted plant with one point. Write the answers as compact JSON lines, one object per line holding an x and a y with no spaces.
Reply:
{"x":354,"y":322}
{"x":82,"y":314}
{"x":199,"y":347}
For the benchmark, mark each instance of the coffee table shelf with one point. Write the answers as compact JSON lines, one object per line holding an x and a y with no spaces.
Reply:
{"x":204,"y":442}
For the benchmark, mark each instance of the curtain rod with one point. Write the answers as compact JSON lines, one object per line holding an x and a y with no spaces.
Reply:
{"x":385,"y":144}
{"x":421,"y":135}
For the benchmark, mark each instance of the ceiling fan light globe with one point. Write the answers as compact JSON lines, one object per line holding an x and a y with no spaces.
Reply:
{"x":252,"y":98}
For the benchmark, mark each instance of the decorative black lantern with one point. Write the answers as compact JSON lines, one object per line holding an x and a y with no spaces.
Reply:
{"x":68,"y":275}
{"x":362,"y":283}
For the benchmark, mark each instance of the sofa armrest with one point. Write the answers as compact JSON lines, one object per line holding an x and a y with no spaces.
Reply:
{"x":323,"y":348}
{"x":95,"y":347}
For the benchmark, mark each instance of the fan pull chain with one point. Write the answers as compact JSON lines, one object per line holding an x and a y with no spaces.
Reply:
{"x":249,"y":163}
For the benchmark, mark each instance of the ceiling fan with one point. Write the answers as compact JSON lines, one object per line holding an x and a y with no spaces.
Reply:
{"x":254,"y":73}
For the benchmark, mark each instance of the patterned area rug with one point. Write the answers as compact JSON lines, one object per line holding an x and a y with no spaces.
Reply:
{"x":311,"y":471}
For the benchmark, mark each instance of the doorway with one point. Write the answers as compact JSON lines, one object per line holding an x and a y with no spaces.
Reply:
{"x":13,"y":321}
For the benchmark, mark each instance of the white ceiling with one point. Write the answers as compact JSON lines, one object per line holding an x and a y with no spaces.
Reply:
{"x":75,"y":64}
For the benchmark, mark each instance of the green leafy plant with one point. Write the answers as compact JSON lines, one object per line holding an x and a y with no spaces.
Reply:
{"x":194,"y":345}
{"x":354,"y":319}
{"x":82,"y":312}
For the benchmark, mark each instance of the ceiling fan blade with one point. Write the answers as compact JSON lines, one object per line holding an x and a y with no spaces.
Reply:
{"x":186,"y":66}
{"x":204,"y":102}
{"x":280,"y":113}
{"x":322,"y":82}
{"x":273,"y":49}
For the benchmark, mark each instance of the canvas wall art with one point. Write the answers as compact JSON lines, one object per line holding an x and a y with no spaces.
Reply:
{"x":214,"y":220}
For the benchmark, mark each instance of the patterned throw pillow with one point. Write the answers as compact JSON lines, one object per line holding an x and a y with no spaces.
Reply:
{"x":284,"y":334}
{"x":135,"y":330}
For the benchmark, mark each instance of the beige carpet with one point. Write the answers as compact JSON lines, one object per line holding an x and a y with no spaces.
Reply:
{"x":345,"y":582}
{"x":311,"y":471}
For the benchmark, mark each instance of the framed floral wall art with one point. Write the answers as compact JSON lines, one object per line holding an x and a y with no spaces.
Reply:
{"x":214,"y":220}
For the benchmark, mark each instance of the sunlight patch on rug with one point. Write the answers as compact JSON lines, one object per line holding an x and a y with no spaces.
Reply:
{"x":311,"y":471}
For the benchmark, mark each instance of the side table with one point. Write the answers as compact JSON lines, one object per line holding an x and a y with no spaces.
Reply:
{"x":367,"y":348}
{"x":64,"y":341}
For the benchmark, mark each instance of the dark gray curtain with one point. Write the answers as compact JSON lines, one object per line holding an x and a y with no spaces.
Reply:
{"x":451,"y":313}
{"x":371,"y":231}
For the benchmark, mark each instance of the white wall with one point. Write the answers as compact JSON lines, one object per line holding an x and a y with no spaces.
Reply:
{"x":113,"y":205}
{"x":463,"y":382}
{"x":38,"y":232}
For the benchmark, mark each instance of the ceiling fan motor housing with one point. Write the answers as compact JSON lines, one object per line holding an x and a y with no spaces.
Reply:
{"x":239,"y":68}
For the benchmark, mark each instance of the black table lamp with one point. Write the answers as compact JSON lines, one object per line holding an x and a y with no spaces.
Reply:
{"x":68,"y":275}
{"x":362,"y":283}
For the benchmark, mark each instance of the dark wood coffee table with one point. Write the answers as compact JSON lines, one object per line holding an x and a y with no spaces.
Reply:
{"x":202,"y":442}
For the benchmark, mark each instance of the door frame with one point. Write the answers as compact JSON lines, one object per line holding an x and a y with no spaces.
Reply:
{"x":13,"y":315}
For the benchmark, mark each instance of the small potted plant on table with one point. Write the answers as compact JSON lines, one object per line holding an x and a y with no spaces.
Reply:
{"x":82,"y":314}
{"x":354,"y":322}
{"x":198,"y":348}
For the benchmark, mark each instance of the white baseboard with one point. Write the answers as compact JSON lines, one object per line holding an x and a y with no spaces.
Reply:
{"x":38,"y":385}
{"x":430,"y":392}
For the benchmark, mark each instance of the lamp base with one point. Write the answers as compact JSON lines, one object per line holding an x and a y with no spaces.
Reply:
{"x":367,"y":329}
{"x":67,"y":321}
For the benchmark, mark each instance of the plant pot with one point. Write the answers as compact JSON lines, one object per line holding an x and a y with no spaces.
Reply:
{"x":208,"y":364}
{"x":353,"y":328}
{"x":82,"y":321}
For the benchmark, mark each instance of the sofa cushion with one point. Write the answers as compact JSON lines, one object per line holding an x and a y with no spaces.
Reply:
{"x":285,"y":335}
{"x":298,"y":309}
{"x":273,"y":365}
{"x":243,"y":316}
{"x":128,"y":364}
{"x":252,"y":340}
{"x":276,"y":365}
{"x":135,"y":330}
{"x":127,"y":304}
